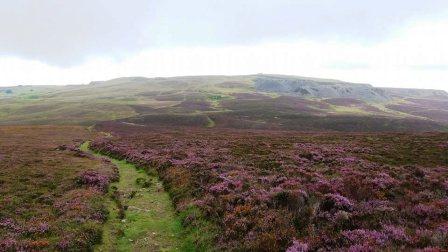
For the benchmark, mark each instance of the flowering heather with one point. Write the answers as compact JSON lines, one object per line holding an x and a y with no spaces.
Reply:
{"x":444,"y":145}
{"x":270,"y":190}
{"x":297,"y":247}
{"x":365,"y":237}
{"x":333,"y":202}
{"x":396,"y":234}
{"x":97,"y":179}
{"x":51,"y":193}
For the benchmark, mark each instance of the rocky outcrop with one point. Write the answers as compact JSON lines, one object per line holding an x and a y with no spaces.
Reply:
{"x":321,"y":88}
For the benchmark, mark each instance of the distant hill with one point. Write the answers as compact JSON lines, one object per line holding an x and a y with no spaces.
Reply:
{"x":416,"y":93}
{"x":321,"y":88}
{"x":250,"y":101}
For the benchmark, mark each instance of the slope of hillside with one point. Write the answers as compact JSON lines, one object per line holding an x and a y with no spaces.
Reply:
{"x":320,"y":88}
{"x":252,"y":101}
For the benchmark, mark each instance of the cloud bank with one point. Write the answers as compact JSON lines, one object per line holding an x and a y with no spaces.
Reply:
{"x":399,"y":43}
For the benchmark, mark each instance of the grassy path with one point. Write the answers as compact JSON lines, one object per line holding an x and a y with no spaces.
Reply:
{"x":210,"y":123}
{"x":149,"y":222}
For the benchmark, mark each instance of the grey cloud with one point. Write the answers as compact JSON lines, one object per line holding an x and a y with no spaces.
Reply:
{"x":67,"y":32}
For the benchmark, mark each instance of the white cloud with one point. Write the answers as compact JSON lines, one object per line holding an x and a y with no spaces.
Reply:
{"x":416,"y":56}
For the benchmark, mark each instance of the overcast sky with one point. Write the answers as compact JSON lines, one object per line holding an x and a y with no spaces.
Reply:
{"x":400,"y":43}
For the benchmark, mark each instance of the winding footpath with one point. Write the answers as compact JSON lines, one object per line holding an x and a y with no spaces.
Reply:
{"x":141,"y":215}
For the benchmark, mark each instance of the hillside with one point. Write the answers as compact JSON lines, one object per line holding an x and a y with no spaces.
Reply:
{"x":252,"y":101}
{"x":223,"y":163}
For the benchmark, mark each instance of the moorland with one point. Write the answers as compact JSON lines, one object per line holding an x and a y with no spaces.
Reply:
{"x":248,"y":102}
{"x":223,"y":163}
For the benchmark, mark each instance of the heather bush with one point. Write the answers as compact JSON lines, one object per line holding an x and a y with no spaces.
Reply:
{"x":274,"y":191}
{"x":297,"y":247}
{"x":334,"y":202}
{"x":94,"y":179}
{"x":52,"y":194}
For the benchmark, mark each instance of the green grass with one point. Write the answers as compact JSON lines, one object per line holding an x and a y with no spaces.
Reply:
{"x":349,"y":110}
{"x":210,"y":123}
{"x":150,"y":222}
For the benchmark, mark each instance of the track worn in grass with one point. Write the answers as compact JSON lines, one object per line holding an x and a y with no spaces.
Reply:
{"x":141,"y":216}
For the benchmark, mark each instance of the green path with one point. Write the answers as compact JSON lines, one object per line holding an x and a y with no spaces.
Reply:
{"x":150,"y":223}
{"x":210,"y":123}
